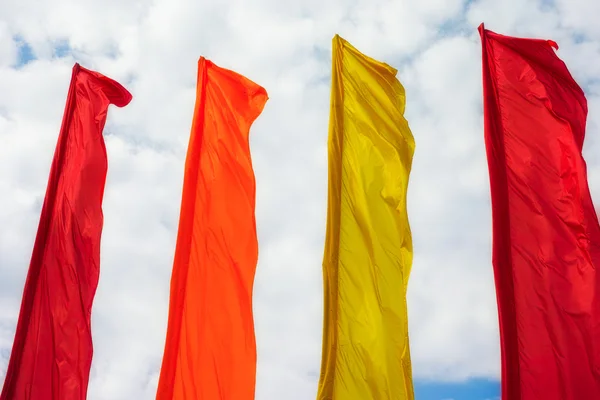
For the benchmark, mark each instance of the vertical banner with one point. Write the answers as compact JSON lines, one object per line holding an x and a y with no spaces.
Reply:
{"x":368,"y":246}
{"x":52,"y":351}
{"x":210,"y":350}
{"x":545,"y":231}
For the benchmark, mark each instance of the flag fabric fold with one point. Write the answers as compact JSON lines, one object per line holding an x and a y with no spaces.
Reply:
{"x":52,"y":351}
{"x":368,"y":246}
{"x":210,"y":350}
{"x":546,"y":236}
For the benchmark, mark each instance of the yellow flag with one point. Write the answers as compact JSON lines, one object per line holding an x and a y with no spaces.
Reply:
{"x":368,"y":246}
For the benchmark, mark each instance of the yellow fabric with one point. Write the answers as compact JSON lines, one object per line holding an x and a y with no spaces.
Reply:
{"x":368,"y":246}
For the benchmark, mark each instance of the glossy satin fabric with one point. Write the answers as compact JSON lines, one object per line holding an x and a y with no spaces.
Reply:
{"x":52,"y":351}
{"x":545,"y":231}
{"x":368,"y":247}
{"x":210,"y":350}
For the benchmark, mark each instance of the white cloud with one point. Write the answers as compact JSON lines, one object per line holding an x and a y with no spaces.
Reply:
{"x":8,"y":47}
{"x":152,"y":48}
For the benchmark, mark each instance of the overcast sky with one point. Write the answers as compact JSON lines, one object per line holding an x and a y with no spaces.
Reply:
{"x":152,"y":48}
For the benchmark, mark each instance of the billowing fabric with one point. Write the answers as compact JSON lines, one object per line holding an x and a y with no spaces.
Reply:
{"x":368,"y":246}
{"x":52,"y":351}
{"x":545,"y":231}
{"x":210,"y":350}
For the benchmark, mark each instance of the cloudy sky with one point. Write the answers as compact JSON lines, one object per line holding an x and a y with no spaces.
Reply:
{"x":152,"y":47}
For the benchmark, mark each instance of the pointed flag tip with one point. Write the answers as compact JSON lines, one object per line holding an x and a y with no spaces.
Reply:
{"x":337,"y":42}
{"x":481,"y":28}
{"x":553,"y":44}
{"x":204,"y":62}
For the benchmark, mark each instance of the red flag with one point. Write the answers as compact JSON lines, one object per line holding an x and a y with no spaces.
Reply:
{"x":546,"y":235}
{"x":52,"y":350}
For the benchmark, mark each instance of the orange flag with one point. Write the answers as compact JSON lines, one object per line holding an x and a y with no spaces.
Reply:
{"x":210,"y":350}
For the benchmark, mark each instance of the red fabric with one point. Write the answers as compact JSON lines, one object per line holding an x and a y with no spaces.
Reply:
{"x":545,"y":231}
{"x":52,"y":350}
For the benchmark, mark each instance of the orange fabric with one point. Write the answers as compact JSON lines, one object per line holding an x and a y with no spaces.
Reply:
{"x":210,"y":350}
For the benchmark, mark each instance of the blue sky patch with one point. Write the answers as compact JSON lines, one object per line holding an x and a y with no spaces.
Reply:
{"x":475,"y":389}
{"x":25,"y":52}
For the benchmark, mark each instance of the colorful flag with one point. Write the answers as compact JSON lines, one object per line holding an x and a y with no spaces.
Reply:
{"x":546,"y":235}
{"x":52,"y":351}
{"x":210,"y":350}
{"x":368,"y":247}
